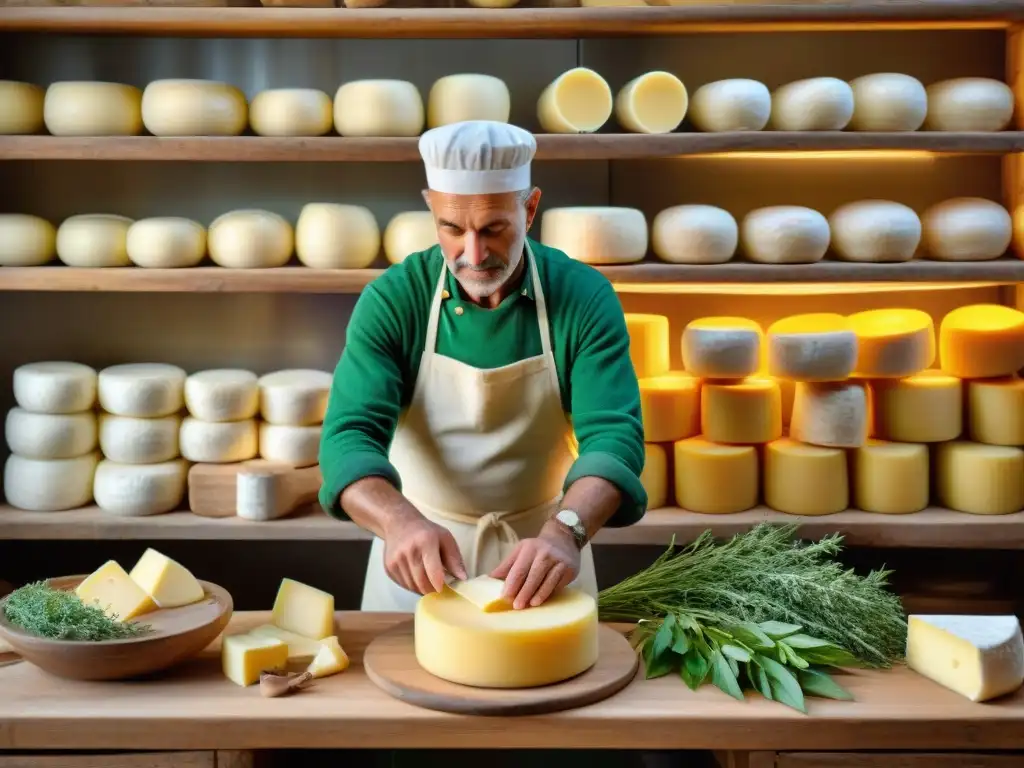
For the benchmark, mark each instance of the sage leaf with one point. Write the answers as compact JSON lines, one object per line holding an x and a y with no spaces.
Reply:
{"x":760,"y":680}
{"x":736,"y":652}
{"x":818,"y":683}
{"x":785,"y":686}
{"x":801,"y":640}
{"x":751,"y":635}
{"x":777,"y":630}
{"x":656,"y":664}
{"x":663,"y":637}
{"x":723,"y":677}
{"x":680,"y":642}
{"x":694,"y":669}
{"x":830,"y":656}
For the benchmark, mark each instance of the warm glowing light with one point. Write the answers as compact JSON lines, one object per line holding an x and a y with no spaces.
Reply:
{"x":793,"y":289}
{"x":834,"y":155}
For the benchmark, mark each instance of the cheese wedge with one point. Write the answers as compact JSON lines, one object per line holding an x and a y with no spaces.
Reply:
{"x":330,"y":660}
{"x":111,"y":589}
{"x":170,"y":584}
{"x":484,"y":592}
{"x":304,"y":610}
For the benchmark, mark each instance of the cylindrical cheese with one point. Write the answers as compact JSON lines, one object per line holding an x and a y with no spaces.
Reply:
{"x":722,"y":347}
{"x":995,"y":411}
{"x":893,"y":343}
{"x":50,"y":435}
{"x":741,"y":413}
{"x":596,"y":234}
{"x":982,"y":341}
{"x":294,"y":397}
{"x":45,"y":485}
{"x":222,"y":394}
{"x":577,"y":101}
{"x":21,"y":108}
{"x":715,"y":479}
{"x":694,"y":234}
{"x":378,"y":108}
{"x":654,"y":477}
{"x":830,"y":414}
{"x":875,"y":231}
{"x":648,"y":344}
{"x":802,"y":479}
{"x":819,"y":346}
{"x":291,"y":112}
{"x":888,"y":101}
{"x":814,"y":104}
{"x":455,"y":98}
{"x":335,"y":236}
{"x":250,"y":239}
{"x":130,"y":440}
{"x":924,"y":408}
{"x":654,"y":102}
{"x":890,"y":478}
{"x":168,"y":242}
{"x":142,"y":390}
{"x":980,"y":479}
{"x":194,"y":108}
{"x":966,"y":229}
{"x":731,"y":105}
{"x":670,"y":407}
{"x":93,"y":109}
{"x":55,"y":387}
{"x":969,"y":104}
{"x":407,"y":233}
{"x":222,"y":442}
{"x":25,"y":240}
{"x":493,"y":3}
{"x":138,"y":490}
{"x":785,"y":234}
{"x":296,"y":446}
{"x":94,"y":240}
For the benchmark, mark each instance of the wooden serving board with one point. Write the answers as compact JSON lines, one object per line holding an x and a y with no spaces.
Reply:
{"x":390,"y":662}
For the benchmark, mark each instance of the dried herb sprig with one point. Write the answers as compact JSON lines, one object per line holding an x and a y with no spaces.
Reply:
{"x":61,"y":615}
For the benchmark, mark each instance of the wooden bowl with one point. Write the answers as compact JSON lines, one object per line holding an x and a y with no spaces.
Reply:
{"x":177,"y":634}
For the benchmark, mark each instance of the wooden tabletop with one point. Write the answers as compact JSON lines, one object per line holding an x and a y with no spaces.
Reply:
{"x":195,"y":707}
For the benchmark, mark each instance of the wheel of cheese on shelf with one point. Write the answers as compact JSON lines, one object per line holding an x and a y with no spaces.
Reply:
{"x":131,"y":440}
{"x":596,"y":234}
{"x":577,"y":101}
{"x":995,"y":411}
{"x":715,"y":479}
{"x":139,"y":490}
{"x":980,"y":479}
{"x":49,"y":485}
{"x":969,"y":104}
{"x":785,"y":234}
{"x":722,"y":347}
{"x":888,"y":101}
{"x":890,"y":478}
{"x":455,"y":98}
{"x":26,"y":241}
{"x":250,"y":239}
{"x":893,"y":343}
{"x":194,"y":108}
{"x":294,"y":397}
{"x":335,"y":236}
{"x":731,"y":105}
{"x":378,"y":108}
{"x":788,"y":389}
{"x":746,"y":412}
{"x":670,"y":407}
{"x":166,"y":242}
{"x":814,"y":104}
{"x":142,"y":390}
{"x":79,"y":108}
{"x":924,"y":408}
{"x":694,"y":234}
{"x":94,"y":240}
{"x":55,"y":387}
{"x":220,"y":442}
{"x":648,"y":344}
{"x":654,"y":102}
{"x":875,"y":231}
{"x":407,"y":233}
{"x":830,"y":414}
{"x":654,"y":477}
{"x":21,"y":108}
{"x":297,"y":446}
{"x":50,"y":435}
{"x":541,"y":645}
{"x":222,"y":394}
{"x":801,"y":479}
{"x":966,"y":229}
{"x":820,"y":346}
{"x":291,"y":112}
{"x":982,"y":341}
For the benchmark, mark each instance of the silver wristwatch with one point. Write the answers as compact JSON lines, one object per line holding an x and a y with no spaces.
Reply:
{"x":571,"y":520}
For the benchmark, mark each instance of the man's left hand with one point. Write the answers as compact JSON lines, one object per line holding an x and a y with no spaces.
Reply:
{"x":538,"y":568}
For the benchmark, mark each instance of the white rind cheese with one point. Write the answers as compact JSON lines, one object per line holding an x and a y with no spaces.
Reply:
{"x":166,"y":242}
{"x":294,"y":397}
{"x":194,"y":108}
{"x":55,"y":387}
{"x":94,"y":240}
{"x":250,"y":239}
{"x":832,"y":415}
{"x":722,"y":347}
{"x":596,"y":234}
{"x":142,"y":390}
{"x":291,"y":112}
{"x":79,"y":108}
{"x":409,"y":232}
{"x":966,"y":229}
{"x":694,"y":234}
{"x":888,"y":101}
{"x":577,"y":101}
{"x":812,"y":347}
{"x":731,"y":105}
{"x":50,"y":435}
{"x":336,"y":236}
{"x":969,"y":104}
{"x":49,"y":485}
{"x":130,"y":440}
{"x":139,"y":490}
{"x":21,"y":108}
{"x":218,"y":442}
{"x":785,"y":234}
{"x":655,"y":102}
{"x":814,"y":104}
{"x":378,"y":108}
{"x":297,"y":446}
{"x":222,"y":394}
{"x":875,"y":231}
{"x":455,"y":98}
{"x":25,"y":240}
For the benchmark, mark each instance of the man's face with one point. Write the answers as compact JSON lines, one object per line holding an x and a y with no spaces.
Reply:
{"x":482,"y":236}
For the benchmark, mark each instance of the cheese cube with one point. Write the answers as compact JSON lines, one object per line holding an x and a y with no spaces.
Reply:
{"x":484,"y":592}
{"x":169,"y":583}
{"x":244,"y":657}
{"x":670,"y":407}
{"x":715,"y":479}
{"x":113,"y":590}
{"x":305,"y":610}
{"x":802,"y":479}
{"x":331,"y":659}
{"x":300,"y":649}
{"x":742,"y":413}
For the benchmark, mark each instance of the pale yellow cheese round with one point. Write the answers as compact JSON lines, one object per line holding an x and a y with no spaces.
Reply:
{"x":21,"y":108}
{"x":801,"y":479}
{"x":737,"y":104}
{"x":596,"y":234}
{"x":819,"y":346}
{"x":715,"y":479}
{"x":545,"y":644}
{"x":722,"y":347}
{"x":785,"y":234}
{"x":54,"y":387}
{"x":980,"y":479}
{"x":291,"y":112}
{"x":378,"y":108}
{"x":814,"y":104}
{"x":982,"y":341}
{"x":875,"y":231}
{"x":140,"y":490}
{"x":648,"y":344}
{"x":132,"y":440}
{"x":26,"y":240}
{"x":577,"y":101}
{"x":969,"y":104}
{"x":295,"y":446}
{"x":890,"y":478}
{"x":194,"y":108}
{"x":407,"y":233}
{"x":455,"y":98}
{"x":167,"y":242}
{"x":694,"y":234}
{"x":654,"y":102}
{"x":222,"y":442}
{"x":966,"y":229}
{"x":336,"y":236}
{"x":92,"y":109}
{"x":888,"y":101}
{"x":995,"y":411}
{"x":141,"y":390}
{"x":924,"y":408}
{"x":670,"y":407}
{"x":746,"y":412}
{"x":830,"y":414}
{"x":94,"y":240}
{"x":50,"y":435}
{"x":49,"y":485}
{"x":250,"y":239}
{"x":893,"y":343}
{"x":654,"y":477}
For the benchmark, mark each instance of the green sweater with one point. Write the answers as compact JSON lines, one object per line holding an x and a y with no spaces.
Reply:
{"x":375,"y":377}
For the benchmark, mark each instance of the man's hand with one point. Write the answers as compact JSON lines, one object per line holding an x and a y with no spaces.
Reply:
{"x":537,"y":568}
{"x":417,"y":553}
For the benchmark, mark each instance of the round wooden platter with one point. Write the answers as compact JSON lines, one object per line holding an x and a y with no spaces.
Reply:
{"x":390,"y":662}
{"x":177,"y":634}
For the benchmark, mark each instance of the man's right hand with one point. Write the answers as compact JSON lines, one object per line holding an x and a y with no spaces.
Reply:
{"x":417,"y":553}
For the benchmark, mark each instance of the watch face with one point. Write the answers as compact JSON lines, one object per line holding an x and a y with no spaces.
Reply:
{"x":569,"y":517}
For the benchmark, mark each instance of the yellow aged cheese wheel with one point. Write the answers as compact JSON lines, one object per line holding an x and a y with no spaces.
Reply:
{"x":741,"y":413}
{"x":821,"y":346}
{"x":802,"y":479}
{"x":893,"y":343}
{"x":924,"y":408}
{"x":291,"y":112}
{"x":995,"y":411}
{"x":654,"y":102}
{"x":336,"y":236}
{"x":21,"y":108}
{"x":722,"y":347}
{"x":194,"y":108}
{"x":577,"y":101}
{"x":94,"y":240}
{"x":455,"y":98}
{"x":250,"y":239}
{"x":715,"y":479}
{"x":648,"y":344}
{"x":93,"y":109}
{"x":980,"y":479}
{"x":670,"y":406}
{"x":982,"y":341}
{"x":409,"y":232}
{"x":378,"y":108}
{"x":166,"y":242}
{"x":655,"y":476}
{"x":26,"y":241}
{"x":890,"y":478}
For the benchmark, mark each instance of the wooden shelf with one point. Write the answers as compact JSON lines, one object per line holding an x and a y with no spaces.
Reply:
{"x":932,"y":528}
{"x":597,"y":146}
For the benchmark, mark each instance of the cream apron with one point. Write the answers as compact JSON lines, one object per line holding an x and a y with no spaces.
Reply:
{"x":482,"y":452}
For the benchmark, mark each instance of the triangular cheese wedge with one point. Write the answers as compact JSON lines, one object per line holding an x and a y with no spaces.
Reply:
{"x":484,"y":592}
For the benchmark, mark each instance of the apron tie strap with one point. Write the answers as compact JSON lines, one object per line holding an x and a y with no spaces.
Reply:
{"x":505,"y":533}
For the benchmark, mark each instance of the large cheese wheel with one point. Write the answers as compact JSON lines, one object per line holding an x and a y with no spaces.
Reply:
{"x":55,"y":387}
{"x":168,"y":242}
{"x":785,"y":234}
{"x":654,"y":102}
{"x":982,"y":341}
{"x":577,"y":101}
{"x":25,"y":240}
{"x":648,"y":344}
{"x":966,"y":229}
{"x":731,"y":105}
{"x":378,"y":108}
{"x":291,"y":112}
{"x":802,"y":479}
{"x":222,"y":442}
{"x":194,"y":108}
{"x":407,"y":233}
{"x":142,"y":390}
{"x":888,"y":101}
{"x":890,"y":478}
{"x":93,"y":109}
{"x":596,"y":234}
{"x":21,"y":108}
{"x":715,"y":479}
{"x":138,"y":490}
{"x":222,"y":394}
{"x":969,"y":104}
{"x":670,"y":407}
{"x":456,"y":98}
{"x":814,"y":104}
{"x":995,"y":411}
{"x":980,"y":479}
{"x":830,"y":414}
{"x":336,"y":236}
{"x":49,"y":485}
{"x":94,"y":240}
{"x":893,"y":343}
{"x":923,"y":408}
{"x":820,"y":346}
{"x":694,"y":234}
{"x":875,"y":231}
{"x":296,"y":446}
{"x":130,"y":440}
{"x":722,"y":347}
{"x":654,"y":477}
{"x":50,"y":435}
{"x":294,"y":397}
{"x":250,"y":239}
{"x":741,"y":413}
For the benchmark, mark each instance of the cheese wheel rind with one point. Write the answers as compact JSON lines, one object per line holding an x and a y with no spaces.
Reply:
{"x":785,"y":234}
{"x":966,"y":229}
{"x":55,"y":387}
{"x":336,"y":236}
{"x":654,"y":102}
{"x":80,"y":108}
{"x":140,"y":490}
{"x":166,"y":242}
{"x":49,"y":485}
{"x":830,"y":414}
{"x":21,"y":108}
{"x":746,"y":412}
{"x":291,"y":112}
{"x":995,"y":409}
{"x":596,"y":234}
{"x":222,"y":394}
{"x":577,"y":101}
{"x":132,"y":440}
{"x":378,"y":108}
{"x":142,"y":390}
{"x":50,"y":435}
{"x":455,"y":98}
{"x":722,"y":347}
{"x":654,"y":477}
{"x":980,"y":479}
{"x":888,"y":101}
{"x":982,"y":341}
{"x":294,"y":397}
{"x":694,"y":234}
{"x":26,"y":240}
{"x":250,"y":239}
{"x":407,"y":233}
{"x":295,"y":446}
{"x":221,"y":442}
{"x":814,"y":104}
{"x":923,"y":408}
{"x":736,"y":104}
{"x":969,"y":104}
{"x":648,"y":344}
{"x":670,"y":407}
{"x":94,"y":240}
{"x":890,"y":478}
{"x":182,"y":107}
{"x":875,"y":231}
{"x":893,"y":343}
{"x":801,"y":479}
{"x":715,"y":479}
{"x":818,"y":346}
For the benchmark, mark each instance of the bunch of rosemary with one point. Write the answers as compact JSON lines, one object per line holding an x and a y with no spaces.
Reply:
{"x":59,"y":615}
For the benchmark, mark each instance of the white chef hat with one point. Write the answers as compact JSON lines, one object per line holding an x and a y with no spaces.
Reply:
{"x":478,"y":157}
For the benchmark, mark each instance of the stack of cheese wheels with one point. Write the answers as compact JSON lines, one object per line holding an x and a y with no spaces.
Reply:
{"x":51,"y":434}
{"x":141,"y":472}
{"x":221,"y":425}
{"x":596,"y":234}
{"x":660,"y":397}
{"x":407,"y":233}
{"x":293,"y":403}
